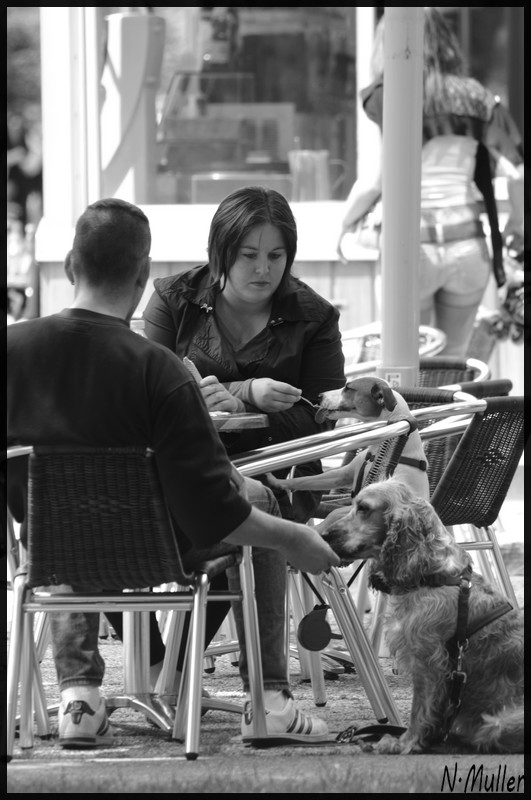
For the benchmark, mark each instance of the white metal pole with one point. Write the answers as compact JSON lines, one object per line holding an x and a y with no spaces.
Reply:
{"x":402,"y":144}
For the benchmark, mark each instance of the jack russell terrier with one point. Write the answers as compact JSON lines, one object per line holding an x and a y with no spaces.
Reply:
{"x":367,"y":399}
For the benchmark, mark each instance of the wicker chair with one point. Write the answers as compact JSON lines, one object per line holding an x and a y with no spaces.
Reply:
{"x":474,"y":486}
{"x":439,"y":450}
{"x":97,"y":520}
{"x":444,"y":370}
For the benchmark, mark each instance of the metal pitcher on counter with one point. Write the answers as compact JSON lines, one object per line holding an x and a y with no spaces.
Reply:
{"x":311,"y":174}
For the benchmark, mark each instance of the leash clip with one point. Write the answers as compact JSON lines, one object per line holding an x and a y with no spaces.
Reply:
{"x":459,"y":677}
{"x":461,"y":650}
{"x":347,"y":735}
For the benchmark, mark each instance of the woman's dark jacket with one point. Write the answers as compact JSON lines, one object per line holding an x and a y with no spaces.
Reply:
{"x":301,"y":346}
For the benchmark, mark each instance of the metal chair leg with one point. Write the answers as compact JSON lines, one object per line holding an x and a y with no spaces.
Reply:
{"x":377,"y":622}
{"x":483,"y":543}
{"x":42,"y":711}
{"x":504,"y":576}
{"x":315,"y":661}
{"x":344,"y":609}
{"x":197,"y":640}
{"x":252,"y":642}
{"x":297,"y":612}
{"x":227,"y":645}
{"x":14,"y":663}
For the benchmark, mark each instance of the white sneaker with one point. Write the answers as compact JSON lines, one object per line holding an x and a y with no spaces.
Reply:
{"x":289,"y":725}
{"x":81,"y":727}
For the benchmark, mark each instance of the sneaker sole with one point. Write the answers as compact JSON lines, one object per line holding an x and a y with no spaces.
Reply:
{"x":101,"y":739}
{"x":85,"y":743}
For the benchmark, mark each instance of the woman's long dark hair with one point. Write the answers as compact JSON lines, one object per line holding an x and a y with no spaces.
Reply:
{"x":236,"y":215}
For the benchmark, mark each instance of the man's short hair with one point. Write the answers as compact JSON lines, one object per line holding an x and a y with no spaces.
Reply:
{"x":112,"y":238}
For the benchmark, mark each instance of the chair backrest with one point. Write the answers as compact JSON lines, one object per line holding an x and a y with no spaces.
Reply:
{"x":497,"y":387}
{"x":479,"y":474}
{"x":444,"y":370}
{"x":440,"y":450}
{"x":97,"y":519}
{"x":425,"y":396}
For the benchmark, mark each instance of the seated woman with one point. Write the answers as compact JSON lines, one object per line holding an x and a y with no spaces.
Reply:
{"x":263,"y":341}
{"x":261,"y":338}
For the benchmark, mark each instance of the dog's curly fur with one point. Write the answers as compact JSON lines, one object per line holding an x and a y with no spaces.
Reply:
{"x":407,"y":541}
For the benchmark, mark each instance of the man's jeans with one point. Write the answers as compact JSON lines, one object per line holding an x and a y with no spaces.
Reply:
{"x":75,"y":635}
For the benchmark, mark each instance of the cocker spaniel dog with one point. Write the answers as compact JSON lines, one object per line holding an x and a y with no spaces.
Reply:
{"x":458,"y":638}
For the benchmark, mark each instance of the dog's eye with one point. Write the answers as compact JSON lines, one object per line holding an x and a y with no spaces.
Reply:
{"x":364,"y":509}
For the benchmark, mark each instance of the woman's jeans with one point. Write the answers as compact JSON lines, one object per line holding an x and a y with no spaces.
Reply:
{"x":453,"y":279}
{"x":75,"y":635}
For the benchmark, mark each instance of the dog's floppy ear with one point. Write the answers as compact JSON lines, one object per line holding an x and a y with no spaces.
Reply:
{"x":383,"y":396}
{"x":418,"y":544}
{"x":405,"y":548}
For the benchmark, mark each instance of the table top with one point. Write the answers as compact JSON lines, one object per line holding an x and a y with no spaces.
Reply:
{"x":224,"y":421}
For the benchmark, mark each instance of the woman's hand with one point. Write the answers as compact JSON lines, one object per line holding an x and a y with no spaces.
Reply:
{"x":270,"y":395}
{"x":216,"y":396}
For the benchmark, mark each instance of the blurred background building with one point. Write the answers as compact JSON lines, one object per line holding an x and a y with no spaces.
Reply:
{"x":238,"y":89}
{"x":176,"y":106}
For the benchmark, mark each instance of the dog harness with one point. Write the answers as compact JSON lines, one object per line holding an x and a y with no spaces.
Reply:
{"x":456,"y":646}
{"x":410,"y":462}
{"x":458,"y":643}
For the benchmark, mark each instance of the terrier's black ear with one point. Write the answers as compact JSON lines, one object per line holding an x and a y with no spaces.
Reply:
{"x":383,"y":396}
